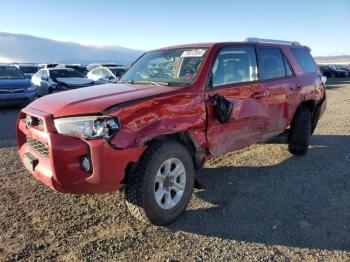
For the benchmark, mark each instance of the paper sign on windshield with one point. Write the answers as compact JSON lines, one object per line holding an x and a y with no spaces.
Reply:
{"x":193,"y":53}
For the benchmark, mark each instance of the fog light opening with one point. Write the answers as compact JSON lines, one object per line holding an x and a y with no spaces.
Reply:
{"x":85,"y":163}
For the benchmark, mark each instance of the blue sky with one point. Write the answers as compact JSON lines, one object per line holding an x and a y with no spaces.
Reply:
{"x":144,"y":25}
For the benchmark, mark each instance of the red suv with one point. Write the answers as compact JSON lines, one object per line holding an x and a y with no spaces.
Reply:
{"x":173,"y":109}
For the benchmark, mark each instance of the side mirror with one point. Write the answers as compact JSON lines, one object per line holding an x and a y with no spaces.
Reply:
{"x":223,"y":108}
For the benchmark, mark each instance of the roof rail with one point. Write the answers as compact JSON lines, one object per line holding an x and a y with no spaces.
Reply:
{"x":262,"y":40}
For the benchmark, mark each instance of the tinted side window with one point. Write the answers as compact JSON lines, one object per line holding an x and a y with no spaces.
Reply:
{"x":234,"y":65}
{"x":304,"y":59}
{"x":271,"y":63}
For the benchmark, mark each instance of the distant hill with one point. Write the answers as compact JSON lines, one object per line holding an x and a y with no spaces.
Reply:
{"x":26,"y":48}
{"x":333,"y":59}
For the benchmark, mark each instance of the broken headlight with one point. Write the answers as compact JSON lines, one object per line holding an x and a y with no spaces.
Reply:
{"x":91,"y":127}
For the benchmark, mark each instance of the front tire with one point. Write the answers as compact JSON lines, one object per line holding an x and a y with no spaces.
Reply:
{"x":160,"y":186}
{"x":300,"y":131}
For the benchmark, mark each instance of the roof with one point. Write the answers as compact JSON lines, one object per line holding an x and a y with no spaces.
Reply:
{"x":210,"y":45}
{"x":197,"y":45}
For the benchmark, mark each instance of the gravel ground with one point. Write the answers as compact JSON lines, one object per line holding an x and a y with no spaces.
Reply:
{"x":259,"y":204}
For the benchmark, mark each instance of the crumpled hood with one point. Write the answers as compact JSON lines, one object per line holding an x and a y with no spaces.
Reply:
{"x":95,"y":99}
{"x":14,"y":83}
{"x":75,"y":81}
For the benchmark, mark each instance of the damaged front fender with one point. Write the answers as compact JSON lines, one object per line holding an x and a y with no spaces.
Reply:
{"x":167,"y":114}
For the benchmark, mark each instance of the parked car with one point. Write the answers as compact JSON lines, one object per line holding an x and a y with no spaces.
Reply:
{"x":28,"y":69}
{"x":53,"y":80}
{"x":92,"y":66}
{"x":14,"y":87}
{"x":344,"y":68}
{"x":102,"y":75}
{"x":50,"y":65}
{"x":80,"y":68}
{"x":154,"y":128}
{"x":344,"y":72}
{"x":329,"y":71}
{"x":117,"y":70}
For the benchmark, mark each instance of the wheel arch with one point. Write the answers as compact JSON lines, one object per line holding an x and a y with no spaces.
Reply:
{"x":312,"y":106}
{"x":185,"y":139}
{"x":182,"y":137}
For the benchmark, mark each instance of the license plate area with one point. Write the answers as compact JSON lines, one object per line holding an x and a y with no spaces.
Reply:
{"x":30,"y":162}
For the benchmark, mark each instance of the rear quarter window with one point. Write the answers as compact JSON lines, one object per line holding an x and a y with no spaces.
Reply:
{"x":304,"y":59}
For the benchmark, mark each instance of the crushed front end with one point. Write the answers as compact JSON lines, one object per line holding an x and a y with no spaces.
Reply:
{"x":66,"y":163}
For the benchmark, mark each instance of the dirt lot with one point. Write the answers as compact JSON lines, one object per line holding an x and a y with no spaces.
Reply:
{"x":259,"y":204}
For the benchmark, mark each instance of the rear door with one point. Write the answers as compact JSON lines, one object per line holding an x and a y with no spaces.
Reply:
{"x":234,"y":77}
{"x":281,"y":86}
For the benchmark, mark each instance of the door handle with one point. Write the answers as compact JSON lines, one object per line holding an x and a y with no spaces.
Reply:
{"x":260,"y":94}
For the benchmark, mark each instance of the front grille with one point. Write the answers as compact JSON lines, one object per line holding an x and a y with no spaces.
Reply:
{"x":39,"y":147}
{"x":11,"y":90}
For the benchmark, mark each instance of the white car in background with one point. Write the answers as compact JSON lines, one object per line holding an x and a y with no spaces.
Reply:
{"x":53,"y":80}
{"x":102,"y":75}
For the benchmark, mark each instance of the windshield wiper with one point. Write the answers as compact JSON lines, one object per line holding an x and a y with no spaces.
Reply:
{"x":156,"y":83}
{"x":126,"y":81}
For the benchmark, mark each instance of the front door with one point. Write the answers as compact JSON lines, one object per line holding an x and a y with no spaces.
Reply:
{"x":234,"y":77}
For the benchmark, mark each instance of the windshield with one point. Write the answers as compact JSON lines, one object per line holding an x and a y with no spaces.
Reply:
{"x":64,"y":73}
{"x":29,"y":69}
{"x":10,"y":73}
{"x":173,"y":66}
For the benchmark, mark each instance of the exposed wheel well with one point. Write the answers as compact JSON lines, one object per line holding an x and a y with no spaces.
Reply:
{"x":185,"y":139}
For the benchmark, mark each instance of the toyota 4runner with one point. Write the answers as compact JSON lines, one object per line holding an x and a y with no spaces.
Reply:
{"x":173,"y":109}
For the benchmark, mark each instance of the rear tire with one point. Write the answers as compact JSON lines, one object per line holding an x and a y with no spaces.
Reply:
{"x":300,"y":131}
{"x":160,"y":186}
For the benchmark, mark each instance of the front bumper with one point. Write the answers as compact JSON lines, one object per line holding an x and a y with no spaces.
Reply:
{"x":60,"y":169}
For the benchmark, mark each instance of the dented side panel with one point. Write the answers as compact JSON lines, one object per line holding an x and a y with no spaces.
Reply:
{"x":248,"y":122}
{"x":162,"y":115}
